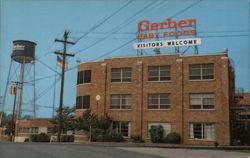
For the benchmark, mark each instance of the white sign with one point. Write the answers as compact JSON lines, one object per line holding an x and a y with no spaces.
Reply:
{"x":168,"y":43}
{"x":18,"y":47}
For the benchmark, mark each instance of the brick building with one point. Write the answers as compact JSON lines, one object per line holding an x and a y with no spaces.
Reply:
{"x":26,"y":128}
{"x":240,"y":114}
{"x":187,"y":94}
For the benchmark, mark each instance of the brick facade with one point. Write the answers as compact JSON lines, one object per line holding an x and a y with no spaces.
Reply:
{"x":179,"y":116}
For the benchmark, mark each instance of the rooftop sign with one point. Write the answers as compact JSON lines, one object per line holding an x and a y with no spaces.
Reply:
{"x":168,"y":43}
{"x":164,"y":29}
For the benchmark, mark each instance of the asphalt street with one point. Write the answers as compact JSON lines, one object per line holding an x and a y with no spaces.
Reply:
{"x":46,"y":150}
{"x":105,"y":150}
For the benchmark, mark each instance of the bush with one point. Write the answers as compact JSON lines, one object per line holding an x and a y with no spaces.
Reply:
{"x":173,"y":138}
{"x":98,"y":135}
{"x":137,"y":139}
{"x":67,"y":138}
{"x":42,"y":137}
{"x":106,"y":136}
{"x":156,"y":134}
{"x":26,"y":140}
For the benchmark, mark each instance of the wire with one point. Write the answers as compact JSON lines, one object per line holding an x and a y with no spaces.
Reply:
{"x":41,"y":78}
{"x":104,"y":20}
{"x":47,"y":89}
{"x":225,"y":36}
{"x":185,"y":9}
{"x":120,"y":26}
{"x":107,"y":53}
{"x":48,"y":67}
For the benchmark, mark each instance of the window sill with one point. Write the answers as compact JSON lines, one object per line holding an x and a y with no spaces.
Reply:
{"x":81,"y":109}
{"x":83,"y":84}
{"x":120,"y":109}
{"x":159,"y":81}
{"x":202,"y":80}
{"x":203,"y":140}
{"x":203,"y":110}
{"x":159,"y":110}
{"x":120,"y":82}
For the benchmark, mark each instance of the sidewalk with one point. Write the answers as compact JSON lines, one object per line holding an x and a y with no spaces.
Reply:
{"x":164,"y":145}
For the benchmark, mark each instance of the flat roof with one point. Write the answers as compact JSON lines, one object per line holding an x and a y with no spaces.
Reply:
{"x":156,"y":55}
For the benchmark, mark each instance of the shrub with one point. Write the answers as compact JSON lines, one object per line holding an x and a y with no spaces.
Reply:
{"x":117,"y":137}
{"x":67,"y":138}
{"x":26,"y":140}
{"x":137,"y":139}
{"x":106,"y":136}
{"x":156,"y":133}
{"x":42,"y":137}
{"x":173,"y":138}
{"x":97,"y":134}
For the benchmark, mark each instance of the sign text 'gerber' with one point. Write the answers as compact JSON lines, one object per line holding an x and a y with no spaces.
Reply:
{"x":176,"y":28}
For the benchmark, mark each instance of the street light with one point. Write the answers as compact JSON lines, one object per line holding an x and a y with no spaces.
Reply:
{"x":97,"y":98}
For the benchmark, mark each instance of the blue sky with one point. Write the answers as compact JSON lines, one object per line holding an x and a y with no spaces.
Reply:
{"x":220,"y":24}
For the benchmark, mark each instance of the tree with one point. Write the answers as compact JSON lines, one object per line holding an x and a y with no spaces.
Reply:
{"x":104,"y":122}
{"x":68,"y":121}
{"x":87,"y":122}
{"x":6,"y":122}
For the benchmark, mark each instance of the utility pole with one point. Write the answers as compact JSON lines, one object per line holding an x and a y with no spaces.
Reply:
{"x":63,"y":54}
{"x":13,"y":91}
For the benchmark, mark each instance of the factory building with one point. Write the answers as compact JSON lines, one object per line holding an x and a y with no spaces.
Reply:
{"x":187,"y":94}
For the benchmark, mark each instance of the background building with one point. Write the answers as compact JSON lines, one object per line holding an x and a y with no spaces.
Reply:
{"x":26,"y":128}
{"x":241,"y":119}
{"x":187,"y":94}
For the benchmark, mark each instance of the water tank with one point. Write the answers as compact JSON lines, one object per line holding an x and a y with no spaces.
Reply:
{"x":23,"y":51}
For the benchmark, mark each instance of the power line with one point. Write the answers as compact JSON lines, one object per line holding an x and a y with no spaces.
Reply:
{"x":185,"y":9}
{"x":105,"y":19}
{"x":120,"y":26}
{"x":48,"y":66}
{"x":107,"y":53}
{"x":224,"y":36}
{"x":117,"y":28}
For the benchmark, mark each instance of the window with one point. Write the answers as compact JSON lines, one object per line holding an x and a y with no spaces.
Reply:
{"x":50,"y":130}
{"x":159,"y":73}
{"x":24,"y":130}
{"x":120,"y":101}
{"x":84,"y":77}
{"x":122,"y":127}
{"x":166,"y":127}
{"x":34,"y":129}
{"x":159,"y":101}
{"x":83,"y":102}
{"x":201,"y":71}
{"x":202,"y":131}
{"x":121,"y":74}
{"x":201,"y":101}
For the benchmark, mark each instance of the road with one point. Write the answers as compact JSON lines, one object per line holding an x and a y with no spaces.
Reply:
{"x":47,"y":150}
{"x":189,"y":153}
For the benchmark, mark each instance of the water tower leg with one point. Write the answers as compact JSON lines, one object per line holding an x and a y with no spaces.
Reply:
{"x":34,"y":90}
{"x":20,"y":97}
{"x":6,"y":90}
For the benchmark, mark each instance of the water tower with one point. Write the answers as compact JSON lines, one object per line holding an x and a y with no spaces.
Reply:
{"x":21,"y":76}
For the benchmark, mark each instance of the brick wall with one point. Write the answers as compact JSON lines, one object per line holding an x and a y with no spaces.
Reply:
{"x":179,"y":87}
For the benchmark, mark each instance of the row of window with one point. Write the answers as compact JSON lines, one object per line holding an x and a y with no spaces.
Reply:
{"x":202,"y":131}
{"x":29,"y":130}
{"x":33,"y":130}
{"x":155,"y":73}
{"x":155,"y":101}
